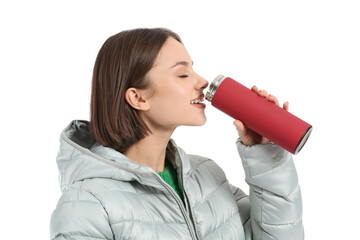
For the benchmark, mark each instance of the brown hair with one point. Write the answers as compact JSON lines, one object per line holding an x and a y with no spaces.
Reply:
{"x":123,"y":62}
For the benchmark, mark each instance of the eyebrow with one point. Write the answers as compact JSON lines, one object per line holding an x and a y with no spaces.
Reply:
{"x":184,"y":63}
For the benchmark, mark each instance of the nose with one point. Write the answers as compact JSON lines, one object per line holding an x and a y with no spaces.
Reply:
{"x":201,"y":83}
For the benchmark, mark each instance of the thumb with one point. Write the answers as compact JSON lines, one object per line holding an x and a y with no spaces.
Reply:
{"x":240,"y":128}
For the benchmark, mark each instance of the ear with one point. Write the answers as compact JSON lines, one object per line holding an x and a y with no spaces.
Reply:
{"x":136,"y":99}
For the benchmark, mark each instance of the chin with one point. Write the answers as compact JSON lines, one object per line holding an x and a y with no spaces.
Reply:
{"x":199,"y":122}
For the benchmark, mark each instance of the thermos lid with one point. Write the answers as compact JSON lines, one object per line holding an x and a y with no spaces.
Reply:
{"x":213,"y":87}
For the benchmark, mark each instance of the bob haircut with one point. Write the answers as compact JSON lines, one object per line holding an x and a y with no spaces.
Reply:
{"x":123,"y":62}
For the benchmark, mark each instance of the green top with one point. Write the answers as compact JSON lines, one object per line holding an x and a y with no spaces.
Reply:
{"x":169,"y":175}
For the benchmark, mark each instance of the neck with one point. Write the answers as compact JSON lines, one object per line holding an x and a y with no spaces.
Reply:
{"x":150,"y":151}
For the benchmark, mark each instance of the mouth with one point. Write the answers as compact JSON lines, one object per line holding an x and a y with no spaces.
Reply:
{"x":197,"y":100}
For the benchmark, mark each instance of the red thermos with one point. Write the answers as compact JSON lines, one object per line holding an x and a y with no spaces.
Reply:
{"x":258,"y":114}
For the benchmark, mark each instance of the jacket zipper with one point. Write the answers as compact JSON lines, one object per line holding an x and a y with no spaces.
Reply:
{"x":191,"y":213}
{"x":192,"y":216}
{"x":180,"y":203}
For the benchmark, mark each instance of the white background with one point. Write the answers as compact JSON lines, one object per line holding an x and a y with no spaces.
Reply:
{"x":305,"y":52}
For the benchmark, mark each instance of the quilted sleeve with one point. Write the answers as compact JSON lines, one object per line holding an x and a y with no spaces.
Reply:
{"x":275,"y":197}
{"x":79,"y":215}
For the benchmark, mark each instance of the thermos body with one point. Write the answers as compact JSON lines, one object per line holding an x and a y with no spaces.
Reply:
{"x":258,"y":114}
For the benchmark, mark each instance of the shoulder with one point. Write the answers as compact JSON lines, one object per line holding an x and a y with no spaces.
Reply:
{"x":198,"y":162}
{"x":206,"y":171}
{"x":92,"y":192}
{"x":75,"y":214}
{"x":76,"y":195}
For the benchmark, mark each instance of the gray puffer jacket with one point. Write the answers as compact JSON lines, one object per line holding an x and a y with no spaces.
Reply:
{"x":107,"y":196}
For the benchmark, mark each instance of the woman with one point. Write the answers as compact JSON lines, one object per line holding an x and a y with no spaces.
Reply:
{"x":122,"y":177}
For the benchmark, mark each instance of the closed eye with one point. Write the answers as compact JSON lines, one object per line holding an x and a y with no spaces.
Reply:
{"x":183,"y":76}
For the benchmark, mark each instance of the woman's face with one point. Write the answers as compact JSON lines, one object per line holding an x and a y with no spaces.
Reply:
{"x":175,"y":87}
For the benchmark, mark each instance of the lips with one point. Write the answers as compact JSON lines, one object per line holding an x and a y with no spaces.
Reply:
{"x":199,"y":99}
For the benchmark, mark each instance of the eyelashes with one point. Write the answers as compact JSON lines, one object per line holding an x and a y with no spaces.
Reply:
{"x":183,"y":76}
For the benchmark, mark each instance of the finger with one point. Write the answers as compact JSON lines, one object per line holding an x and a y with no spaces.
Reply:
{"x":273,"y":99}
{"x":286,"y":106}
{"x":263,"y":93}
{"x":240,"y":127}
{"x":255,"y":89}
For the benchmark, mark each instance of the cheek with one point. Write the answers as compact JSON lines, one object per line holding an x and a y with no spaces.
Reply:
{"x":171,"y":100}
{"x":169,"y":107}
{"x":173,"y":95}
{"x":172,"y":104}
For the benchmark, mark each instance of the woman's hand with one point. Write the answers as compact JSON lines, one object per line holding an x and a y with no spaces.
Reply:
{"x":248,"y":136}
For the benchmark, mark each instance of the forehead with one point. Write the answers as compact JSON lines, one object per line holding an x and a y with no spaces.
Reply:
{"x":171,"y":52}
